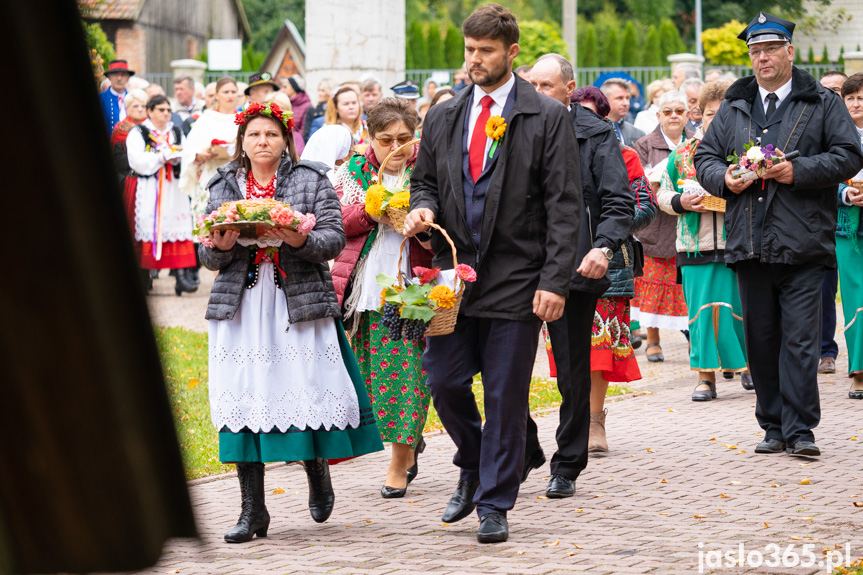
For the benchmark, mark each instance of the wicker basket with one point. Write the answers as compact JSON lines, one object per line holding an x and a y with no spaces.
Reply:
{"x":713,"y":204}
{"x":444,"y":319}
{"x":397,"y":216}
{"x":857,"y":184}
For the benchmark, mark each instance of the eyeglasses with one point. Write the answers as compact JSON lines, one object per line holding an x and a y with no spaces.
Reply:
{"x":677,"y":111}
{"x":387,"y":142}
{"x":769,"y":50}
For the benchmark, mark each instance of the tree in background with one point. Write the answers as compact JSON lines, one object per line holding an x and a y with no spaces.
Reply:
{"x":721,"y":46}
{"x":650,"y":13}
{"x":100,"y":49}
{"x":810,"y":56}
{"x":652,"y":49}
{"x":825,"y":56}
{"x":630,"y":55}
{"x":538,"y":38}
{"x":266,"y":18}
{"x":437,"y":57}
{"x":588,"y":48}
{"x":669,"y":39}
{"x":417,"y":44}
{"x":453,"y":47}
{"x":840,"y":61}
{"x":611,"y":54}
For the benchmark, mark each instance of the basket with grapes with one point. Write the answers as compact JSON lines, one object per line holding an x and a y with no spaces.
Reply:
{"x":429,"y":303}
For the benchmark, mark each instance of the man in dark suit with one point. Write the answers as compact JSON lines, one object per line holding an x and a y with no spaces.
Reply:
{"x":781,"y":230}
{"x":617,"y":92}
{"x":607,"y":210}
{"x":512,"y":208}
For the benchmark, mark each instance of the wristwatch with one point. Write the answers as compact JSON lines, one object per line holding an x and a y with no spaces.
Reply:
{"x":607,"y":253}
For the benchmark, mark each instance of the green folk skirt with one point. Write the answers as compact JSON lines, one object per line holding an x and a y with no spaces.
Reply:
{"x":715,"y":318}
{"x":851,"y":286}
{"x":304,"y":444}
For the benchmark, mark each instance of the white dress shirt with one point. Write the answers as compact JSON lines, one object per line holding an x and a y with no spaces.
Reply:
{"x":499,"y":96}
{"x":121,"y":102}
{"x":781,"y":94}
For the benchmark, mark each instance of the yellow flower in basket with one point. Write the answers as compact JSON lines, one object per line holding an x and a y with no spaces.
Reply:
{"x":442,"y":296}
{"x":374,"y":199}
{"x":400,"y":200}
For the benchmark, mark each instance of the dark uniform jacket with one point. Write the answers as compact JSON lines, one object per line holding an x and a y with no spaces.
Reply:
{"x":799,"y":220}
{"x":608,"y":203}
{"x":530,"y":221}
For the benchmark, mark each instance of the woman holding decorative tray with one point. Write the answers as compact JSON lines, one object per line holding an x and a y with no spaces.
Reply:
{"x":392,"y":369}
{"x":710,"y":288}
{"x":162,"y":219}
{"x":284,"y":385}
{"x":849,"y":247}
{"x":208,"y":145}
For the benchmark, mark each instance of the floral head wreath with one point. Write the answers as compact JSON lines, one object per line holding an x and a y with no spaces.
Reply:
{"x":270,"y":109}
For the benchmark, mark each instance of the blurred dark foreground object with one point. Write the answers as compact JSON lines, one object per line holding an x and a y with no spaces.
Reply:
{"x":91,"y":476}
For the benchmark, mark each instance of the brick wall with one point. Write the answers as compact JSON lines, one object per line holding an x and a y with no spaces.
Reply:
{"x":131,"y":45}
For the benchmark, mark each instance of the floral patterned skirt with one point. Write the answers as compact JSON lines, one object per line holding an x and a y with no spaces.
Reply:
{"x":610,"y":349}
{"x":394,"y":378}
{"x":661,"y":301}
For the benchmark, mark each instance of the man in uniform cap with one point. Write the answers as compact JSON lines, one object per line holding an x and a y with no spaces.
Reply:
{"x":260,"y":86}
{"x":113,"y":98}
{"x":781,"y":228}
{"x":408,"y":89}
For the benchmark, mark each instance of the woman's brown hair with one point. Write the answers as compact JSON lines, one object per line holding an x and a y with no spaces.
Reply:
{"x":240,"y":156}
{"x":712,"y":92}
{"x":389,"y":111}
{"x":331,"y":116}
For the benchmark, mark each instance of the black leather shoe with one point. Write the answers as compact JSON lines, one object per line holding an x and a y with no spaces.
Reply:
{"x":770,"y":446}
{"x":803,"y":449}
{"x":728,"y":374}
{"x":635,"y":341}
{"x":184,"y":284}
{"x":254,"y":519}
{"x":321,"y":496}
{"x":388,"y":492}
{"x":493,"y":528}
{"x":704,"y":394}
{"x":746,"y":381}
{"x":414,"y":469}
{"x":534,"y":461}
{"x":855,"y":393}
{"x":560,"y":487}
{"x":461,"y":503}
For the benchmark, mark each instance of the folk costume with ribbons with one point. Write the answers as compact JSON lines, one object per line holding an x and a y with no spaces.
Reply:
{"x":163,"y":220}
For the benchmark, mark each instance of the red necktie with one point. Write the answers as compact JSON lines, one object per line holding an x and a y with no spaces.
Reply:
{"x":476,"y":151}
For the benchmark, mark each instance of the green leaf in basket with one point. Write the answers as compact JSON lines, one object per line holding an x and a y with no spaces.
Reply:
{"x":385,"y":281}
{"x":422,"y":312}
{"x":414,"y":294}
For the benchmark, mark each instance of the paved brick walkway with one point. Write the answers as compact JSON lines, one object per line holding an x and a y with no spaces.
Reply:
{"x":678,"y":474}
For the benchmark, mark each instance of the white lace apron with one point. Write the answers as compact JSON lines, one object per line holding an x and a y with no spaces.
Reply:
{"x":262,"y":376}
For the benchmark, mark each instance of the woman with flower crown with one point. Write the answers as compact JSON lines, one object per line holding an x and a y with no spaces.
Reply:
{"x":392,"y":369}
{"x":284,"y":384}
{"x":162,"y":218}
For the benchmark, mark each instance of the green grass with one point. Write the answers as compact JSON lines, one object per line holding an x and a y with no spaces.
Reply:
{"x":184,"y":362}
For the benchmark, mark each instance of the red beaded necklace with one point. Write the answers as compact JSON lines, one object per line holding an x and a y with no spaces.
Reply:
{"x":254,"y":190}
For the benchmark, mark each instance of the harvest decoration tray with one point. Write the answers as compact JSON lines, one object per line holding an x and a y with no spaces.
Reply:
{"x":251,"y":230}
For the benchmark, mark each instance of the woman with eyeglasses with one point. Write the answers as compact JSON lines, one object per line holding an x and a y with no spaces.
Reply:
{"x":392,"y":369}
{"x":710,"y":287}
{"x":661,"y":302}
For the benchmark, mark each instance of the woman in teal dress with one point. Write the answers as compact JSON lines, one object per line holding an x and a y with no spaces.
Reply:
{"x":284,"y":384}
{"x":709,"y":287}
{"x":391,"y":368}
{"x":849,"y":243}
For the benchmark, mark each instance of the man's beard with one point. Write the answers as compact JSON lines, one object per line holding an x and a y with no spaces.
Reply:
{"x":491,"y":78}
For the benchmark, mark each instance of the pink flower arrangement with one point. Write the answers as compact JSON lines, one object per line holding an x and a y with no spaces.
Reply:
{"x":306,"y":223}
{"x":465,"y":272}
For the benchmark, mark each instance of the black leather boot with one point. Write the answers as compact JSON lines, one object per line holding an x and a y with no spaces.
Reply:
{"x":321,"y":496}
{"x":184,"y":284}
{"x":254,"y":519}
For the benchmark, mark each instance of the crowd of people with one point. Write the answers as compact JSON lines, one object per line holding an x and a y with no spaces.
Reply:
{"x":592,"y":222}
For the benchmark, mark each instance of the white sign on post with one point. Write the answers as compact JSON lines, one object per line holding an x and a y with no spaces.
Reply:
{"x":225,"y":54}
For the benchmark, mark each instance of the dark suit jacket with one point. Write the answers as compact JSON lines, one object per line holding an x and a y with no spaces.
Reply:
{"x":631,"y":134}
{"x":532,"y":207}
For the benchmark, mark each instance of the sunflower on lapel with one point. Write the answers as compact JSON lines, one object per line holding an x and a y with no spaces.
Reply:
{"x":494,"y":129}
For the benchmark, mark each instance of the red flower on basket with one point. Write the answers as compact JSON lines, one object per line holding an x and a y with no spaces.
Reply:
{"x":465,"y":272}
{"x":218,"y":142}
{"x":426,"y":275}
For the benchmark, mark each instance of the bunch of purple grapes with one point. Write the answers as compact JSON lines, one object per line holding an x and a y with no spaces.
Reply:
{"x":392,"y":321}
{"x":414,"y":328}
